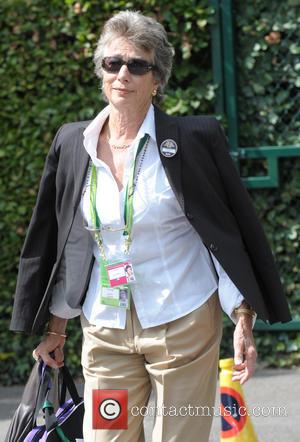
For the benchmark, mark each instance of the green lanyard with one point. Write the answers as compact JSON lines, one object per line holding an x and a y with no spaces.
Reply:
{"x":128,"y":207}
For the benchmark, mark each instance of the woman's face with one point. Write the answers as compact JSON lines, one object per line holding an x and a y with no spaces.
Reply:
{"x":124,"y":90}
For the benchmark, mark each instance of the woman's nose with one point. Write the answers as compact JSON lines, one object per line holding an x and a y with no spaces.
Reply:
{"x":123,"y":72}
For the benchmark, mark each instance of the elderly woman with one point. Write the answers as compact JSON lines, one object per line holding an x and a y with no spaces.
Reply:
{"x":159,"y":195}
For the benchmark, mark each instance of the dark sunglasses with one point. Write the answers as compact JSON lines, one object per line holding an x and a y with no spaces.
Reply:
{"x":136,"y":66}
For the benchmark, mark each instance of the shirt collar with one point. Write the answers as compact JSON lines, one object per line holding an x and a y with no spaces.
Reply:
{"x":148,"y":125}
{"x":91,"y":133}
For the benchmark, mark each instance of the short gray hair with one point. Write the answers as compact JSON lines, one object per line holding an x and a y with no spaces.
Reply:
{"x":144,"y":33}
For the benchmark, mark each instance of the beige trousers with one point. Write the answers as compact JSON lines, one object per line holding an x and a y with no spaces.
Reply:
{"x":177,"y":360}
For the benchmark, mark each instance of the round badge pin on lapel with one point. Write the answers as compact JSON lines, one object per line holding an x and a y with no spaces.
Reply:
{"x":168,"y":148}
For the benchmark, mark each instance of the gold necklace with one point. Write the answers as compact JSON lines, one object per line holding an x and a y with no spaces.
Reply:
{"x":116,"y":146}
{"x":121,"y":147}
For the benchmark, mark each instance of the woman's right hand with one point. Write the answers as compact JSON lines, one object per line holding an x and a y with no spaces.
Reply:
{"x":49,"y":344}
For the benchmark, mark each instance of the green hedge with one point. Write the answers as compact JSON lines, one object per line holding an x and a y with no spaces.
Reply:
{"x":268,"y":65}
{"x":47,"y":79}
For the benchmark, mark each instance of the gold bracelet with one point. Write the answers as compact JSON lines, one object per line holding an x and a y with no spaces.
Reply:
{"x":62,"y":335}
{"x":247,"y":311}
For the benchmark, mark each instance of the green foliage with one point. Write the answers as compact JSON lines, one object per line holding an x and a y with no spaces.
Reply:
{"x":278,"y":210}
{"x":267,"y":41}
{"x":268,"y":91}
{"x":47,"y":79}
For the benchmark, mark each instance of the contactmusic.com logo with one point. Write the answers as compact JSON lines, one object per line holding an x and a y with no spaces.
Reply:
{"x":110,"y":409}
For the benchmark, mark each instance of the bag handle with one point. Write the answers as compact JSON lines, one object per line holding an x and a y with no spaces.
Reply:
{"x":43,"y":389}
{"x":43,"y":402}
{"x":70,"y":384}
{"x":46,"y":385}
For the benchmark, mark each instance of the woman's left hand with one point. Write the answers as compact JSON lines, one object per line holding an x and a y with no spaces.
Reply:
{"x":245,"y":353}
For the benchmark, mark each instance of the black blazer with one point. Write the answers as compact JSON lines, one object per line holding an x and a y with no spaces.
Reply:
{"x":209,"y":190}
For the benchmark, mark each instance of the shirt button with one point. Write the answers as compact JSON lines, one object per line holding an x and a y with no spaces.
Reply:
{"x":189,"y":215}
{"x":213,"y":247}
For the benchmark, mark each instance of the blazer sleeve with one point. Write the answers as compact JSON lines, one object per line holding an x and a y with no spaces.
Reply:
{"x":254,"y":238}
{"x":38,"y":253}
{"x":58,"y":304}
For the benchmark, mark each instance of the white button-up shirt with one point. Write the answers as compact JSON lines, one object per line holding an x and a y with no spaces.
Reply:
{"x":173,"y":268}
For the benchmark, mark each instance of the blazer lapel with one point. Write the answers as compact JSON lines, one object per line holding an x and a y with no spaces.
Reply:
{"x":167,"y":128}
{"x":80,"y":165}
